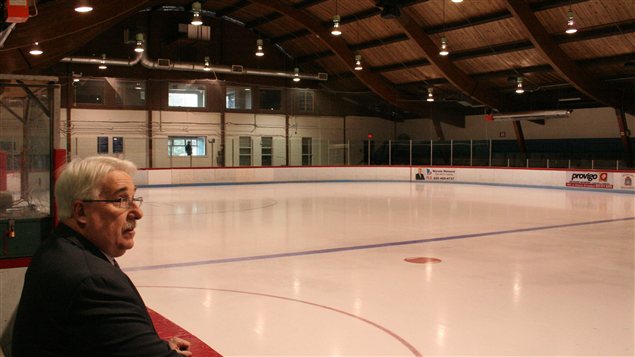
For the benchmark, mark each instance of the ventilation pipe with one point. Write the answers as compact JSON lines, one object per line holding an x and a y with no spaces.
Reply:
{"x":168,"y":65}
{"x":533,"y":115}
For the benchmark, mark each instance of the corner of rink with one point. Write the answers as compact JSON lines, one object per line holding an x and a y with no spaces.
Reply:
{"x":167,"y":329}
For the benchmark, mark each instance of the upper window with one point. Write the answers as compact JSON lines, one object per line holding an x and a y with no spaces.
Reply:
{"x":238,"y":98}
{"x":130,"y":93}
{"x":270,"y":99}
{"x":186,"y":95}
{"x":90,"y":91}
{"x":305,"y":101}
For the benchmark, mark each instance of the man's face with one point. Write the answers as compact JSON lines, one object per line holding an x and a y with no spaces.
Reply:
{"x":109,"y":227}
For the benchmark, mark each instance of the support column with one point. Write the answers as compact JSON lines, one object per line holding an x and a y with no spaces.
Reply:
{"x":150,"y":153}
{"x":625,"y":136}
{"x":520,"y":138}
{"x":286,"y":138}
{"x":69,"y":104}
{"x":222,"y":150}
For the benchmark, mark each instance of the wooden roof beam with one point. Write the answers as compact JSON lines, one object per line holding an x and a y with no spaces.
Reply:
{"x":561,"y":63}
{"x":584,"y":34}
{"x":232,"y":8}
{"x":373,"y":81}
{"x":459,"y":79}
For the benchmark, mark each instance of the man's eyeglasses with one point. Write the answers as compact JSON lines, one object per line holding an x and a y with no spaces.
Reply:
{"x":123,"y":202}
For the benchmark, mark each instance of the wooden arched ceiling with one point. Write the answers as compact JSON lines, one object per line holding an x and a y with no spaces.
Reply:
{"x":491,"y":42}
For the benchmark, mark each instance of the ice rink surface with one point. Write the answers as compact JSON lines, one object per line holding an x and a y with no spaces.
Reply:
{"x":319,"y":269}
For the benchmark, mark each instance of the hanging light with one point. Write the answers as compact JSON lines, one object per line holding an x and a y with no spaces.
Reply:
{"x":139,"y":47}
{"x":259,"y":51}
{"x":196,"y":18}
{"x":358,"y":63}
{"x":83,"y":6}
{"x":336,"y":26}
{"x":519,"y":86}
{"x":430,"y":96}
{"x":443,"y":51}
{"x":207,"y":67}
{"x":457,"y":1}
{"x":102,"y":63}
{"x":296,"y":74}
{"x":570,"y":23}
{"x":36,"y":50}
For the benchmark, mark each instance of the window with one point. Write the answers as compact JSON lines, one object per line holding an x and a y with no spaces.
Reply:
{"x":305,"y":101}
{"x":270,"y":99}
{"x":130,"y":93}
{"x":102,"y":144}
{"x":266,"y":147}
{"x":90,"y":91}
{"x":186,"y":95}
{"x":176,"y":145}
{"x":117,"y":144}
{"x":307,"y":151}
{"x":244,"y":143}
{"x":238,"y":98}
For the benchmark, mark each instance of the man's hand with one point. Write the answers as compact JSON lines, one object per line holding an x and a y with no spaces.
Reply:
{"x":180,"y":345}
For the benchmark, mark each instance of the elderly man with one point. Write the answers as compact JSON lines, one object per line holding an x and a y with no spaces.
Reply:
{"x":76,"y":301}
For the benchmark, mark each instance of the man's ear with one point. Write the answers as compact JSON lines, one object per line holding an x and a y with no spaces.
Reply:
{"x":79,"y":212}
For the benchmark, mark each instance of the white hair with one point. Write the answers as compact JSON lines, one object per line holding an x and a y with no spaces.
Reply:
{"x":81,"y":180}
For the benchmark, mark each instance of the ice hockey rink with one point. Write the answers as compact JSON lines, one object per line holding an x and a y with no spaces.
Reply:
{"x":390,"y":268}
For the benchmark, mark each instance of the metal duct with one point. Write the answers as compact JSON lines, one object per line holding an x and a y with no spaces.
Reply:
{"x":168,"y":65}
{"x":533,"y":115}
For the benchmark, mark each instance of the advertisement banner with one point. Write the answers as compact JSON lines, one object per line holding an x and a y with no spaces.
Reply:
{"x":430,"y":174}
{"x":625,"y":181}
{"x":588,"y":179}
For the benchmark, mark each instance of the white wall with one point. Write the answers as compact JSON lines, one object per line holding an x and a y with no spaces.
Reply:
{"x":169,"y":123}
{"x":417,"y":129}
{"x":88,"y":124}
{"x":327,"y":133}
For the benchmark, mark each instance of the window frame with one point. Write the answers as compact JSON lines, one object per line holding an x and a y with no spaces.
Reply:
{"x":197,"y":142}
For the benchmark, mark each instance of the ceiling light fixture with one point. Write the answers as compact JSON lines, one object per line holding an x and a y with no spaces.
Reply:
{"x":102,"y":64}
{"x":570,"y":23}
{"x":83,"y":6}
{"x":519,"y":86}
{"x":336,"y":26}
{"x":196,"y":18}
{"x":207,"y":67}
{"x":430,"y":96}
{"x":139,"y":47}
{"x":443,"y":51}
{"x":259,"y":50}
{"x":358,"y":63}
{"x":457,"y":1}
{"x":296,"y":74}
{"x":336,"y":23}
{"x":36,"y":50}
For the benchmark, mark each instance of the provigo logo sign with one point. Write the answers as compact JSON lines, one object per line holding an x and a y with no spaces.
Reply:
{"x":589,"y":179}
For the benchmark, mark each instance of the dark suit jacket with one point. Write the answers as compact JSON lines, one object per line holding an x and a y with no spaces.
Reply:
{"x":75,"y":303}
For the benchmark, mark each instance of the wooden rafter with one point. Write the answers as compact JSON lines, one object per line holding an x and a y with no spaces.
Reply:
{"x":561,"y":63}
{"x":466,"y":84}
{"x":339,"y":47}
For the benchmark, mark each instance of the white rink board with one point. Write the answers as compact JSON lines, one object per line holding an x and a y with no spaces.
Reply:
{"x":496,"y":176}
